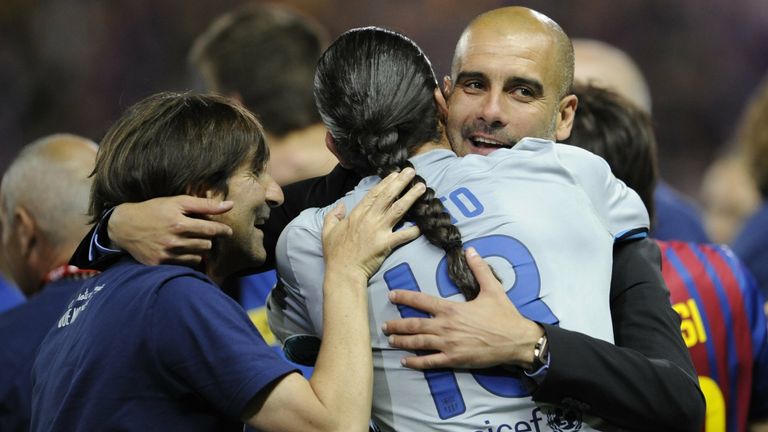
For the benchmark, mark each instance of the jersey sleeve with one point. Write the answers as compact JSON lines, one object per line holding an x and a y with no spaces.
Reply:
{"x":619,"y":207}
{"x":296,"y":306}
{"x":207,"y":346}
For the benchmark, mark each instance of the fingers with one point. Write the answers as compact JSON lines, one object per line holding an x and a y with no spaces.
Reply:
{"x":406,"y":326}
{"x":386,"y":191}
{"x":202,"y":206}
{"x":401,"y":206}
{"x":482,"y":271}
{"x":333,"y":217}
{"x":183,"y":246}
{"x":427,"y":342}
{"x":417,"y":300}
{"x":200,"y":228}
{"x":428,"y":361}
{"x":404,"y":235}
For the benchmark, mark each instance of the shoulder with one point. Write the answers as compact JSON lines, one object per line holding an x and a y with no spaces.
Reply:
{"x":165,"y":287}
{"x":127,"y":269}
{"x":305,"y":228}
{"x":299,"y":248}
{"x":580,"y":161}
{"x":533,"y":153}
{"x":710,"y":267}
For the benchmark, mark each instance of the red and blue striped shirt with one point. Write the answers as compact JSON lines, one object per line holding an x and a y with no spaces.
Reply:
{"x":724,"y":327}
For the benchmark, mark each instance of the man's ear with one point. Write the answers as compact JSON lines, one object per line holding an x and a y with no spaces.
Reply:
{"x":26,"y":231}
{"x":447,"y":86}
{"x":566,"y":113}
{"x":442,"y":105}
{"x":331,"y":144}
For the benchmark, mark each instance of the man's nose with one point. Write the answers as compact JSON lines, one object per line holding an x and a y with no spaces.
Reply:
{"x":493,"y":110}
{"x":274,"y":195}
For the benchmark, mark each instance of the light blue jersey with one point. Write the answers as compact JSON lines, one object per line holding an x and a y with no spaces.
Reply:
{"x":544,"y":215}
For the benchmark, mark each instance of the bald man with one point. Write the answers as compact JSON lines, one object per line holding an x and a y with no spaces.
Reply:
{"x":606,"y":66}
{"x":43,"y":205}
{"x":511,"y":78}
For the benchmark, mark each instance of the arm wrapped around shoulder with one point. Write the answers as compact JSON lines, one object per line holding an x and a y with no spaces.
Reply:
{"x":644,"y":382}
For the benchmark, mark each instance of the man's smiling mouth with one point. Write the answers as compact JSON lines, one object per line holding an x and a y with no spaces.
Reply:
{"x":488,"y":143}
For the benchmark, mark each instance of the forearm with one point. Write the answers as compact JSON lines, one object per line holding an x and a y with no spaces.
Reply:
{"x":646,"y":381}
{"x":342,"y":378}
{"x":620,"y":385}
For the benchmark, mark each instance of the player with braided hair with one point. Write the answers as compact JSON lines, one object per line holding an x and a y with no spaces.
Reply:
{"x":377,"y":94}
{"x":377,"y":139}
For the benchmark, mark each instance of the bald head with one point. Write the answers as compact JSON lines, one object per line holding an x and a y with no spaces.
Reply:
{"x":604,"y":65}
{"x":519,"y":26}
{"x":511,"y":78}
{"x":43,"y":203}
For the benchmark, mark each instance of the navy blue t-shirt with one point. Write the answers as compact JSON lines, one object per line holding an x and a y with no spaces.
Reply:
{"x":21,"y":331}
{"x":150,"y":348}
{"x":751,"y":245}
{"x":676,"y":217}
{"x":10,"y":296}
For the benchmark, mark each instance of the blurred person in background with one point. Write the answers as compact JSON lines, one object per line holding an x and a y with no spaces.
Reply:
{"x":729,"y":196}
{"x":43,"y":212}
{"x":721,"y":309}
{"x":751,"y":244}
{"x":604,"y":65}
{"x":264,"y":56}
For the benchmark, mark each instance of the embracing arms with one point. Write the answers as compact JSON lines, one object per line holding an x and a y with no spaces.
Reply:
{"x":645,"y":382}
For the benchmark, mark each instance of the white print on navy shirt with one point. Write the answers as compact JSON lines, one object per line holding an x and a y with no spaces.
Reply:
{"x":77,"y":306}
{"x":557,"y":419}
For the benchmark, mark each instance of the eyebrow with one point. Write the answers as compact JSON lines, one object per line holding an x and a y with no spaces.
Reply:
{"x":535,"y":85}
{"x":463,"y":76}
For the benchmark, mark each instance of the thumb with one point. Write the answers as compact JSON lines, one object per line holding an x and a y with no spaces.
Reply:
{"x":333,"y":217}
{"x":482,"y":271}
{"x":203,"y":206}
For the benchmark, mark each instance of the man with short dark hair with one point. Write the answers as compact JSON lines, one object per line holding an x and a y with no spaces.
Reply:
{"x":161,"y":347}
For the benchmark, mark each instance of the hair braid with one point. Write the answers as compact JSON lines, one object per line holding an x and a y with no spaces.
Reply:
{"x":374,"y":90}
{"x":387,"y":155}
{"x":435,"y":224}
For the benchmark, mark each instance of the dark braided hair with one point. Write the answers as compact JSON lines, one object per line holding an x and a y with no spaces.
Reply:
{"x":374,"y":89}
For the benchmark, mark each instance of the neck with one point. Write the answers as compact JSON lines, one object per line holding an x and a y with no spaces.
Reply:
{"x":209,"y":269}
{"x":431,"y":145}
{"x":46,"y":259}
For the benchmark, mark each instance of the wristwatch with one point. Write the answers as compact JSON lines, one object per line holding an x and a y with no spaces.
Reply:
{"x":540,"y":353}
